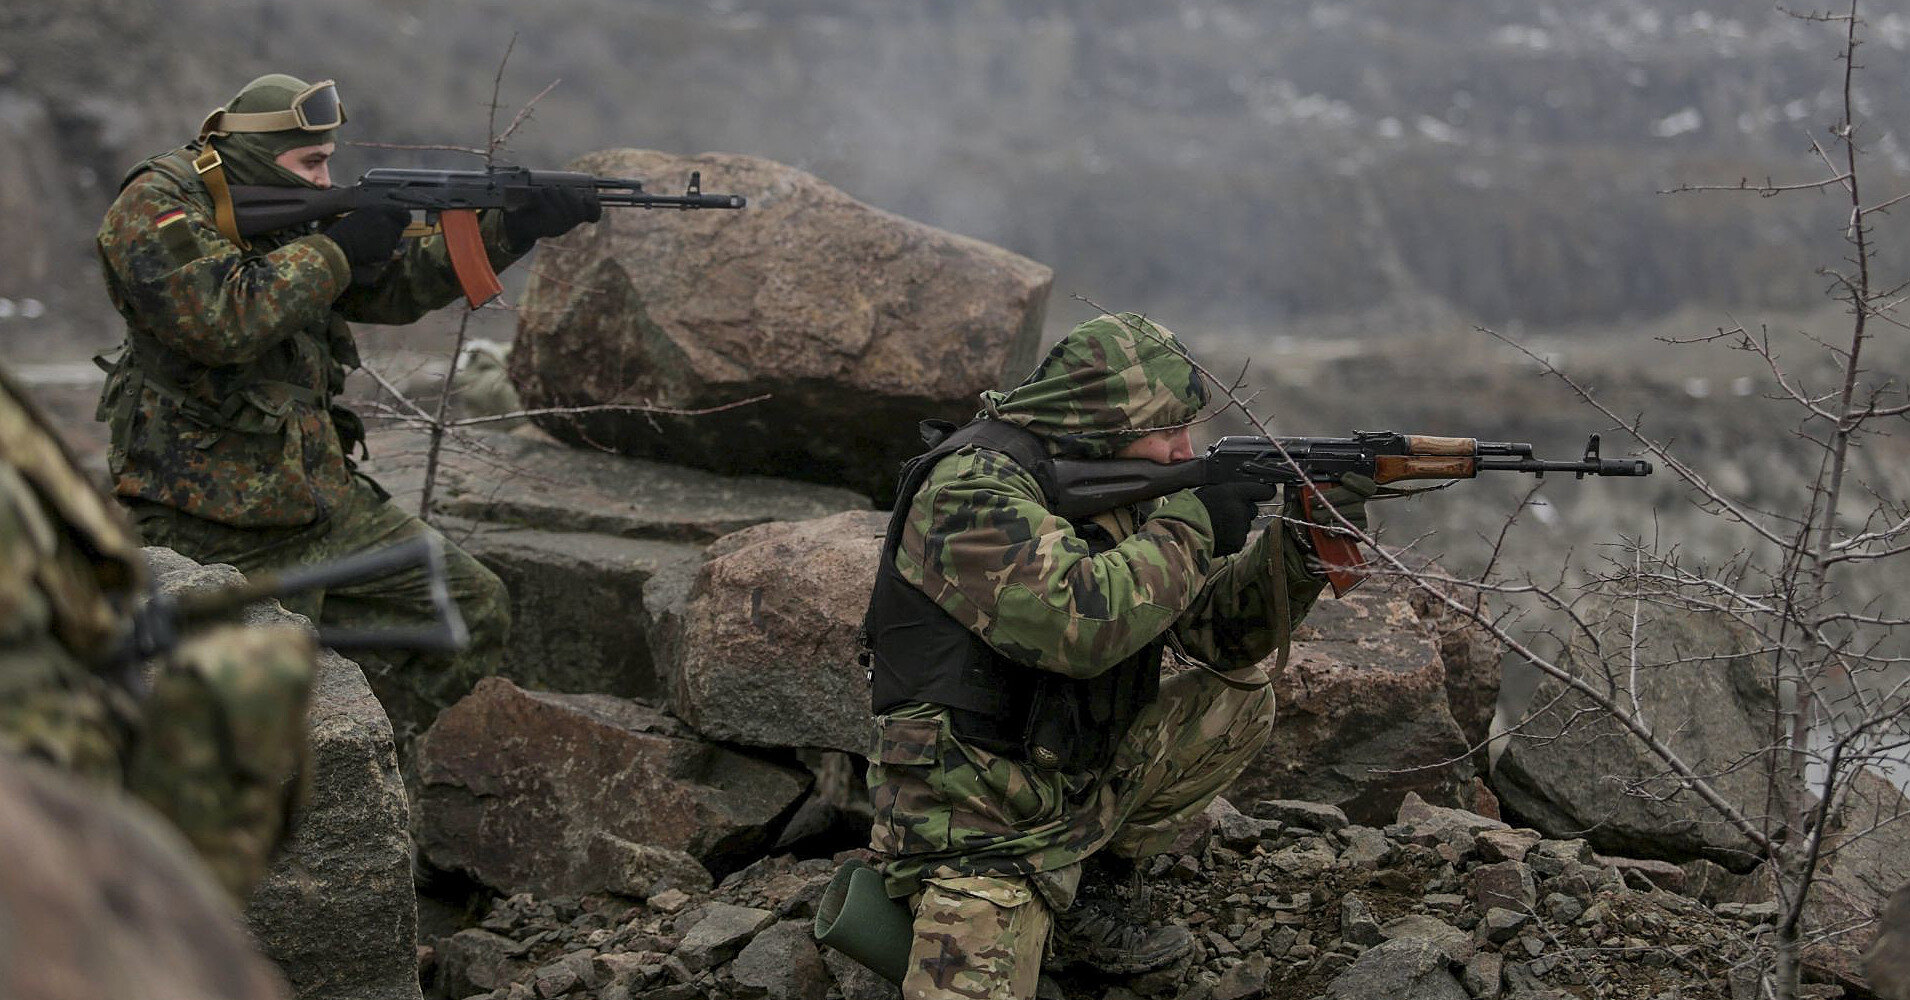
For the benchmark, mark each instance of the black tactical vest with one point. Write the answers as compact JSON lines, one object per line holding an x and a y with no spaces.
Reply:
{"x":916,"y":652}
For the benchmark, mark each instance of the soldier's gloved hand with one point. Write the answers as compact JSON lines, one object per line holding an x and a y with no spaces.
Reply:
{"x":369,"y":236}
{"x":1232,"y":507}
{"x":552,"y":211}
{"x":1349,"y":498}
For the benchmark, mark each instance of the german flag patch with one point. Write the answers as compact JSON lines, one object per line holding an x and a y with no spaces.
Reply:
{"x":175,"y":235}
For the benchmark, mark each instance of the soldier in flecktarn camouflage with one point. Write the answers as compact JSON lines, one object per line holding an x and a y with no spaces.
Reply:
{"x":1026,"y":735}
{"x":228,"y":442}
{"x":217,"y":743}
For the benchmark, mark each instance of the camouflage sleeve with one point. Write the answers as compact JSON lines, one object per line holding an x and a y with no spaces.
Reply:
{"x":1234,"y":621}
{"x":196,"y":291}
{"x":987,"y":552}
{"x":421,"y":279}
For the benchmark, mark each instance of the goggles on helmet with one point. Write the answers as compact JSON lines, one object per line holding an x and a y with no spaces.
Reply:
{"x":314,"y":109}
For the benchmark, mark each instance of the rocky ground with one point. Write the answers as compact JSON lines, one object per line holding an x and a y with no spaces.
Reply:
{"x":1286,"y":900}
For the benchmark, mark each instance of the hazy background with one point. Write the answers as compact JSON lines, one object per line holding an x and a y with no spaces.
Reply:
{"x":1359,"y":167}
{"x":1339,"y":190}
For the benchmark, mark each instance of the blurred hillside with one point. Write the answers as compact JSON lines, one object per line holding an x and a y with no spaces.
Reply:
{"x":1336,"y":167}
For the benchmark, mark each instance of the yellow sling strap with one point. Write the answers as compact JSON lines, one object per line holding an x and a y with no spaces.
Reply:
{"x":211,"y":170}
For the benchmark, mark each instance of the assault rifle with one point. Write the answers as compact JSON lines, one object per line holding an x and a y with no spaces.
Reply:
{"x":452,"y":198}
{"x":1080,"y":488}
{"x":164,"y":620}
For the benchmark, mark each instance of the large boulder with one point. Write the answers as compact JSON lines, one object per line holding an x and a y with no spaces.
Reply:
{"x":767,"y":649}
{"x":100,"y":897}
{"x":1867,"y":856}
{"x":337,"y":910}
{"x":530,"y":481}
{"x":533,"y":792}
{"x":1704,"y":689}
{"x":1887,"y":962}
{"x":577,"y":536}
{"x":577,"y":608}
{"x":1363,"y":715}
{"x":857,"y":323}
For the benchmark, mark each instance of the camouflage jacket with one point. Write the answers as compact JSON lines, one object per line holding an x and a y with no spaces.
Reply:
{"x":218,"y":745}
{"x":982,"y":545}
{"x":69,"y":563}
{"x":222,"y":402}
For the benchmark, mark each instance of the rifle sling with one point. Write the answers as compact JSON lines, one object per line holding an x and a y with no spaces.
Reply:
{"x":211,"y":170}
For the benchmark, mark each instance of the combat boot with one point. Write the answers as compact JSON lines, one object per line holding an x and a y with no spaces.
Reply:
{"x":1107,"y":928}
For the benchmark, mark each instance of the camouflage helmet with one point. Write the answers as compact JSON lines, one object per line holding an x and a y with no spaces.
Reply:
{"x":1110,"y":381}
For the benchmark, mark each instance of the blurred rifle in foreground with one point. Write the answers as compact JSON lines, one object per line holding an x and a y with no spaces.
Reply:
{"x":452,"y":199}
{"x":166,"y":619}
{"x":1081,"y":488}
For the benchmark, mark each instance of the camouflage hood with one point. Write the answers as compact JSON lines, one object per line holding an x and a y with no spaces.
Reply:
{"x":252,"y":157}
{"x":1110,"y":381}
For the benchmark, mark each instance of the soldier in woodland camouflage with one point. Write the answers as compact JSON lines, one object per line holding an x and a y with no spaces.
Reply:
{"x":228,"y":442}
{"x":218,"y":745}
{"x":985,"y":827}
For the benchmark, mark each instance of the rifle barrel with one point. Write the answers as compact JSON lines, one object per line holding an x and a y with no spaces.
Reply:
{"x":1587,"y":467}
{"x":640,"y":199}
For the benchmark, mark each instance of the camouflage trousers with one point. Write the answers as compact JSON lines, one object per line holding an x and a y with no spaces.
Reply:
{"x":983,"y":937}
{"x":413,"y":687}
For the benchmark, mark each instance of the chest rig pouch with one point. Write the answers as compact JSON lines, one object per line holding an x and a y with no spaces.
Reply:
{"x":916,"y":652}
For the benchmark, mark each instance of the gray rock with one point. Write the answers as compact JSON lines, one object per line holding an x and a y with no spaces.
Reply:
{"x":1403,"y":969}
{"x":338,"y":911}
{"x":475,"y":960}
{"x":1887,"y":961}
{"x":1711,"y":883}
{"x":100,"y":897}
{"x":1563,"y":908}
{"x":1504,"y":845}
{"x":572,"y":971}
{"x":533,"y":482}
{"x":1364,"y":717}
{"x":856,"y":982}
{"x":782,"y":964}
{"x":1646,"y":874}
{"x":565,"y":586}
{"x":854,"y":321}
{"x":1366,"y":848}
{"x":1705,"y":688}
{"x":1471,"y":659}
{"x":1455,"y":943}
{"x":1500,"y":925}
{"x":1871,"y":837}
{"x":1239,"y":832}
{"x":1484,"y":976}
{"x":722,"y":932}
{"x":1557,"y":857}
{"x":1193,"y":836}
{"x":1357,"y":925}
{"x":768,"y":647}
{"x":517,"y":786}
{"x":1444,"y":822}
{"x":643,"y":870}
{"x":1508,"y":884}
{"x":1304,"y":815}
{"x":1750,"y":913}
{"x":1246,"y":981}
